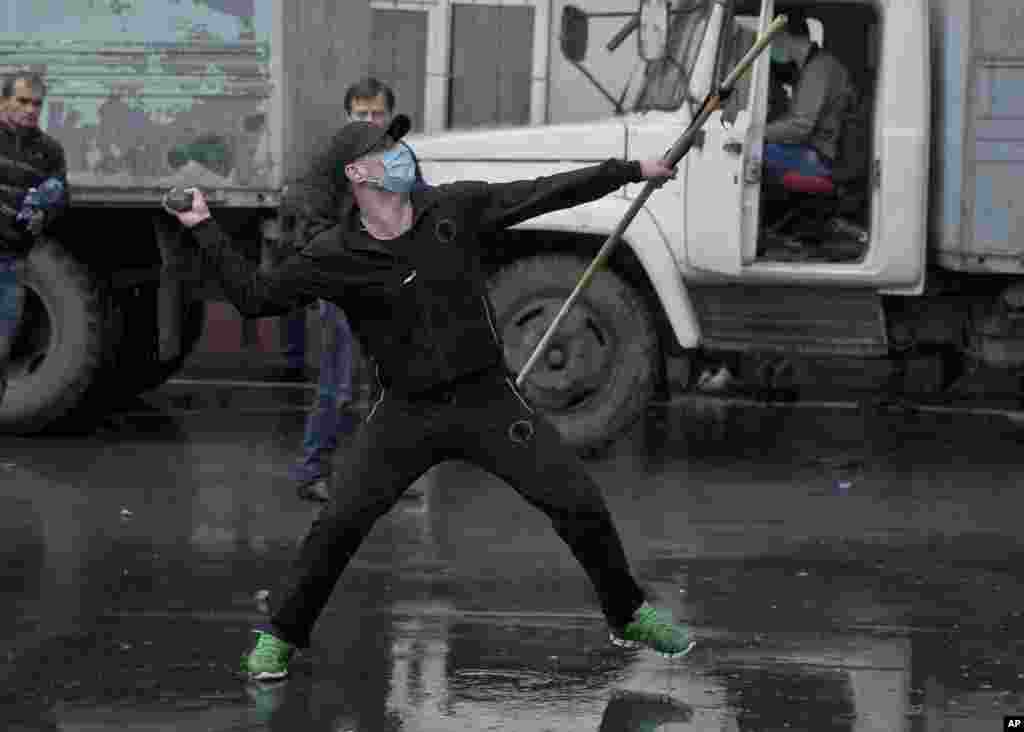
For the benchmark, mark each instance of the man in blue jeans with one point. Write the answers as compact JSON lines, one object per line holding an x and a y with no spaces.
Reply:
{"x":369,"y":100}
{"x":28,"y":156}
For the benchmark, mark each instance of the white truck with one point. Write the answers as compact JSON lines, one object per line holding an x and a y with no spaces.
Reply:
{"x":234,"y":97}
{"x":917,"y":249}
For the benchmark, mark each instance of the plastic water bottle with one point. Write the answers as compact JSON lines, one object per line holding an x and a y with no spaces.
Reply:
{"x":30,"y":204}
{"x":46,"y":196}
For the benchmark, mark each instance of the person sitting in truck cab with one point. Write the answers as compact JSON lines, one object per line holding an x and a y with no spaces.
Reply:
{"x":806,"y":138}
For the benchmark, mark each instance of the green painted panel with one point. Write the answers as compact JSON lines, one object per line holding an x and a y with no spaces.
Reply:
{"x":148,"y":93}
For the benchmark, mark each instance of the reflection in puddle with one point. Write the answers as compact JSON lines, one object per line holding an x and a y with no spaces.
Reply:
{"x":130,"y":569}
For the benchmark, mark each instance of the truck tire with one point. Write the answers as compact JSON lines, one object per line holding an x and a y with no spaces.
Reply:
{"x":600,"y":368}
{"x":131,"y":366}
{"x":193,"y":320}
{"x":60,"y":341}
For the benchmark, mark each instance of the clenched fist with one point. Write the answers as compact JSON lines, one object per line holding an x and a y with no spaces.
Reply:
{"x":657,"y":171}
{"x":199,"y":211}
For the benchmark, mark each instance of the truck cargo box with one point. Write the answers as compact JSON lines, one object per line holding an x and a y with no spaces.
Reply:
{"x":978,"y":193}
{"x":217,"y":93}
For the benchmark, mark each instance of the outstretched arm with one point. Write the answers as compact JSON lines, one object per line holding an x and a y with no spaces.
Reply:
{"x":507,"y":204}
{"x":255,"y":294}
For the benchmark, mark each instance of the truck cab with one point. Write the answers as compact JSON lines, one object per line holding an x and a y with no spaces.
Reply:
{"x":867,"y":263}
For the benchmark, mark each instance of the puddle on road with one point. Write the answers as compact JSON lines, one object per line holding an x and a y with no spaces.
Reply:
{"x":409,"y":655}
{"x":132,"y":559}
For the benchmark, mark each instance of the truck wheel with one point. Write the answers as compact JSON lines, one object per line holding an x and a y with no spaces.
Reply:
{"x":193,"y":320}
{"x":132,"y":367}
{"x":599,"y":371}
{"x":59,"y":344}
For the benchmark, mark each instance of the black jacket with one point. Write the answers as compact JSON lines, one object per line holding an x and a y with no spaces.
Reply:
{"x":419,"y":302}
{"x":27,"y":158}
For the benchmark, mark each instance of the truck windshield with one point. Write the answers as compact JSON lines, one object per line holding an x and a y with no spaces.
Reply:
{"x":666,"y":81}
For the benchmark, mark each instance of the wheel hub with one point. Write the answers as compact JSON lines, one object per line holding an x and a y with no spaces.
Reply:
{"x":575,"y":364}
{"x":556,"y":358}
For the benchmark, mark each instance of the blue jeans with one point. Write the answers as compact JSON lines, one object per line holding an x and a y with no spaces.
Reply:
{"x":781,"y":159}
{"x":12,"y":300}
{"x":333,"y":390}
{"x":295,"y":339}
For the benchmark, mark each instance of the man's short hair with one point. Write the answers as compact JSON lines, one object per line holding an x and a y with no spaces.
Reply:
{"x":32,"y":78}
{"x":369,"y":88}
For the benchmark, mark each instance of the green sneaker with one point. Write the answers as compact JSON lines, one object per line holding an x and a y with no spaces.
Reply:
{"x":652,"y":632}
{"x":268,"y":660}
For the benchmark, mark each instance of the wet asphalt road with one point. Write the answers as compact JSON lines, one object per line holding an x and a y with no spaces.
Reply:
{"x":842,"y":571}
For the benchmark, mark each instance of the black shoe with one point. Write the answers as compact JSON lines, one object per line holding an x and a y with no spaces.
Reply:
{"x":316,"y":491}
{"x":311,"y":480}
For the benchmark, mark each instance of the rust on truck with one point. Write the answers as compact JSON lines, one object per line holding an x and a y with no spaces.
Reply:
{"x":149,"y":94}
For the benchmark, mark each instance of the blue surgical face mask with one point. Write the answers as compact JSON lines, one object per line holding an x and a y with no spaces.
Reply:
{"x":777,"y":54}
{"x":399,"y":170}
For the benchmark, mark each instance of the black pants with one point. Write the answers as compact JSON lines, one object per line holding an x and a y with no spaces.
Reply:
{"x":481,"y":420}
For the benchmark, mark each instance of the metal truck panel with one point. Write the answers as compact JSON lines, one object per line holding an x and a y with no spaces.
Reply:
{"x":324,"y":46}
{"x":978,"y":50}
{"x":950,"y":49}
{"x":231,"y":95}
{"x":587,"y":142}
{"x":999,"y":24}
{"x":151,"y":94}
{"x":997,"y":123}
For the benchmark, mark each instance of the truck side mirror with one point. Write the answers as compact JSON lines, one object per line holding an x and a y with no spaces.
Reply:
{"x":653,"y":29}
{"x":574,"y":33}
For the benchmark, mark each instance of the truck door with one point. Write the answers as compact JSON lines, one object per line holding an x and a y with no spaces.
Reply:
{"x":724,"y":174}
{"x":879,"y":243}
